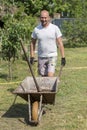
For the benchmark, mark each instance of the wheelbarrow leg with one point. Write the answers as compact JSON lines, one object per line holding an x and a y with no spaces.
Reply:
{"x":15,"y":99}
{"x":40,"y":108}
{"x":29,"y":106}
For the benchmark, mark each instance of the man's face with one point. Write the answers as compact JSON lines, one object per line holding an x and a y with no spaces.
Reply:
{"x":44,"y":18}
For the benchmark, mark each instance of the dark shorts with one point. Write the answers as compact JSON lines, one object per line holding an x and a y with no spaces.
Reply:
{"x":46,"y":65}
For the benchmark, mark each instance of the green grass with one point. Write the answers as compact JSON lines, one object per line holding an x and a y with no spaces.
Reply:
{"x":70,"y":109}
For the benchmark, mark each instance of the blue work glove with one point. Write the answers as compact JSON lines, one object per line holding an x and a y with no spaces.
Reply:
{"x":63,"y":61}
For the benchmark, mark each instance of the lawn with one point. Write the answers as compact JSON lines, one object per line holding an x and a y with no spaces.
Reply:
{"x":70,"y":109}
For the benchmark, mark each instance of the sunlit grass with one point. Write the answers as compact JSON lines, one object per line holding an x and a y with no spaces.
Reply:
{"x":70,"y":109}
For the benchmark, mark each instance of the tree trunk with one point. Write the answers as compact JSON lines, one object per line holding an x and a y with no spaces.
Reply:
{"x":10,"y":70}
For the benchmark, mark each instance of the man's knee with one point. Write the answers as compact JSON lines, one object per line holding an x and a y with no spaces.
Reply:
{"x":50,"y":74}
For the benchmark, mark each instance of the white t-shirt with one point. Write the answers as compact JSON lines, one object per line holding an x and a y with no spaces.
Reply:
{"x":46,"y":37}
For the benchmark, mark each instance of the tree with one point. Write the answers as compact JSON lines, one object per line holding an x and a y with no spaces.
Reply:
{"x":13,"y":30}
{"x":67,"y":8}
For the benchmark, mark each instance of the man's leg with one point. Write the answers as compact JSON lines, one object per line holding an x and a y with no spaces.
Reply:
{"x":50,"y":74}
{"x":43,"y":66}
{"x":51,"y":66}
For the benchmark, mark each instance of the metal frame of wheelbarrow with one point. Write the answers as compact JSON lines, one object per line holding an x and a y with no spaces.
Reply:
{"x":38,"y":96}
{"x":37,"y":100}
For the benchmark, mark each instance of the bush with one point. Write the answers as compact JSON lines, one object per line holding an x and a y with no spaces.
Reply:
{"x":75,"y":33}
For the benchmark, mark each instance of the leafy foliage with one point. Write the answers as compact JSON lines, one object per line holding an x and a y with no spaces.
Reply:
{"x":14,"y":29}
{"x":68,"y":8}
{"x":76,"y":32}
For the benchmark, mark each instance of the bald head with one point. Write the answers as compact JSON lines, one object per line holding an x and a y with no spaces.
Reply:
{"x":44,"y":12}
{"x":44,"y":18}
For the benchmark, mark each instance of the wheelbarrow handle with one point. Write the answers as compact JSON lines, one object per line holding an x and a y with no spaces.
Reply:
{"x":37,"y":86}
{"x":60,"y":72}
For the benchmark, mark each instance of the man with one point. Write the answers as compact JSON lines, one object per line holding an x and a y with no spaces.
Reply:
{"x":48,"y":36}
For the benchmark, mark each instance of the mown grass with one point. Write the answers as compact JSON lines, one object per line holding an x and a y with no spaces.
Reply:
{"x":70,"y":109}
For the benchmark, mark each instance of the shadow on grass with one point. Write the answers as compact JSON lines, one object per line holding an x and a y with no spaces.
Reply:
{"x":17,"y":111}
{"x":11,"y":90}
{"x":6,"y":77}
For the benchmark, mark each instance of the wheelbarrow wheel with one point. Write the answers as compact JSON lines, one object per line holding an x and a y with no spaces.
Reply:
{"x":35,"y":107}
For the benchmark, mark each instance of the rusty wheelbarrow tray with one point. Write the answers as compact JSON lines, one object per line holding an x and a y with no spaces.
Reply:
{"x":27,"y":90}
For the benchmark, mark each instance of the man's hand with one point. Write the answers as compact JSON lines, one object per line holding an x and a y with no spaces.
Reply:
{"x":31,"y":60}
{"x":63,"y":61}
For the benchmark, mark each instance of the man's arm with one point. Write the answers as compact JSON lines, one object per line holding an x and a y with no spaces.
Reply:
{"x":32,"y":47}
{"x":61,"y":48}
{"x":32,"y":50}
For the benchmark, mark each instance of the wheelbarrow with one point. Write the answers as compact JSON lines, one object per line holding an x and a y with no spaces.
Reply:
{"x":36,"y":100}
{"x":37,"y":91}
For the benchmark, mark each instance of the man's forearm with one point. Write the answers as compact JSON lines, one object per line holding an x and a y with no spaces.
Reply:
{"x":61,"y":47}
{"x":32,"y":47}
{"x":32,"y":50}
{"x":62,"y":51}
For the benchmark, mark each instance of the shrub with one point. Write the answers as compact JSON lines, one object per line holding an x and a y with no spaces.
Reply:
{"x":75,"y":32}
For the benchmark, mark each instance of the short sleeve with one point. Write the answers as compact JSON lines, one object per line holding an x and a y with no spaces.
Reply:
{"x":58,"y":32}
{"x":33,"y":35}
